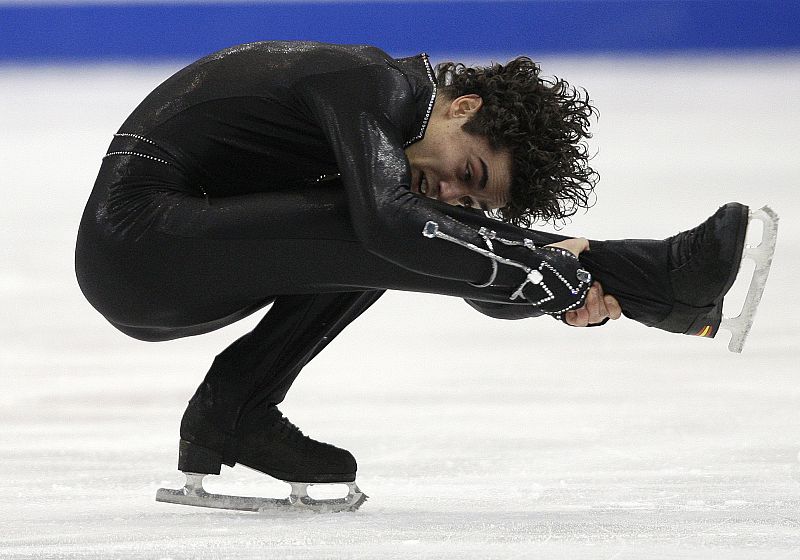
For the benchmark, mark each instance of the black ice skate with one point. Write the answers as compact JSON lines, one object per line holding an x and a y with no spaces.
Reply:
{"x":704,"y":263}
{"x":267,"y":442}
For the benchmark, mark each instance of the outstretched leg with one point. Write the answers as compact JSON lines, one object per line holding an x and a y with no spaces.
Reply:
{"x":677,"y":284}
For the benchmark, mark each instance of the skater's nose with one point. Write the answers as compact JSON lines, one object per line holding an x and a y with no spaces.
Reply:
{"x":453,"y":192}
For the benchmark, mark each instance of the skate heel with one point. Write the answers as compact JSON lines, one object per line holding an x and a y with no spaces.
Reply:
{"x":193,"y":458}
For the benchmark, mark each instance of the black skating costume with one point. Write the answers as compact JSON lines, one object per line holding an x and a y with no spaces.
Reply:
{"x":274,"y":173}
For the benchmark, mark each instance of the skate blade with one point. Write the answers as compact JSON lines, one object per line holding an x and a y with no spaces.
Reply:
{"x":761,"y":254}
{"x":193,"y":494}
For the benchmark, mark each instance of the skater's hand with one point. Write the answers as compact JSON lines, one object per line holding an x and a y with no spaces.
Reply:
{"x":597,"y":308}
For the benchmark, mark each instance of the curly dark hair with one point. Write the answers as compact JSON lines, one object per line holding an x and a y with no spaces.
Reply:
{"x":543,"y":123}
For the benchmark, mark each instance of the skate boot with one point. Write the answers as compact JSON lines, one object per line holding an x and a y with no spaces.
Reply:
{"x":268,"y":442}
{"x":704,"y":263}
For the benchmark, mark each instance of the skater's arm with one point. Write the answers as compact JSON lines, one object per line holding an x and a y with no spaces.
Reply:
{"x":366,"y":134}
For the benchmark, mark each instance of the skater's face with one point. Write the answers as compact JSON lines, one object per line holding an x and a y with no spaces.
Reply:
{"x":456,"y":167}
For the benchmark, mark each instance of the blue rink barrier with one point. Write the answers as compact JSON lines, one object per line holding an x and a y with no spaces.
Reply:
{"x":148,"y":31}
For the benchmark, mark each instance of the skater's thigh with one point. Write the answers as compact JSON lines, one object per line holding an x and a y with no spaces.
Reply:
{"x":235,"y":271}
{"x":185,"y":261}
{"x":249,"y":246}
{"x":311,"y":213}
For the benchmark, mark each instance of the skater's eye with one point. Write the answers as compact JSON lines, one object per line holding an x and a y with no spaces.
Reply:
{"x":467,"y":202}
{"x":468,"y":174}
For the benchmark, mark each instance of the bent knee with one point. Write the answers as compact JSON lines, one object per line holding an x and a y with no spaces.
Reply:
{"x":153,"y":334}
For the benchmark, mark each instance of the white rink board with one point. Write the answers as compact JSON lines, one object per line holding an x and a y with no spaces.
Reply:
{"x":475,"y":438}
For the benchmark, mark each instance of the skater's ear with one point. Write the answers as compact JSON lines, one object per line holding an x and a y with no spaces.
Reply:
{"x":465,"y":106}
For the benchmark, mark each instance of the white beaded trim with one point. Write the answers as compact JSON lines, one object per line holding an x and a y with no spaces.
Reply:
{"x":137,"y":136}
{"x":165,"y":162}
{"x":532,"y":276}
{"x":557,"y":314}
{"x":491,"y":234}
{"x":142,"y":139}
{"x":573,"y":289}
{"x":429,"y":70}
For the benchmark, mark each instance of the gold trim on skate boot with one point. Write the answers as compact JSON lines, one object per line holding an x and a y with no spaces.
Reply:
{"x":707,"y":331}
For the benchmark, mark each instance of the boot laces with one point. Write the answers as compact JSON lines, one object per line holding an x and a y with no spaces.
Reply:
{"x":688,"y":244}
{"x":289,"y":431}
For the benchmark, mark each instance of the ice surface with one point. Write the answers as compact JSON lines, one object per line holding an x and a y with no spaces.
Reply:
{"x":479,"y":439}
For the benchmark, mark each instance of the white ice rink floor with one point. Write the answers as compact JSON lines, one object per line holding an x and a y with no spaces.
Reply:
{"x":475,"y":438}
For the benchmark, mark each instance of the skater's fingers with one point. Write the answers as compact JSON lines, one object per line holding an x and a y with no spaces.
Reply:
{"x":599,"y":287}
{"x":597,"y":308}
{"x":595,"y":304}
{"x":608,"y":305}
{"x":614,"y":309}
{"x":578,"y":317}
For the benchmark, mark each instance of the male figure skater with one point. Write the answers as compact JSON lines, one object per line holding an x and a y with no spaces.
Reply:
{"x":312,"y":178}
